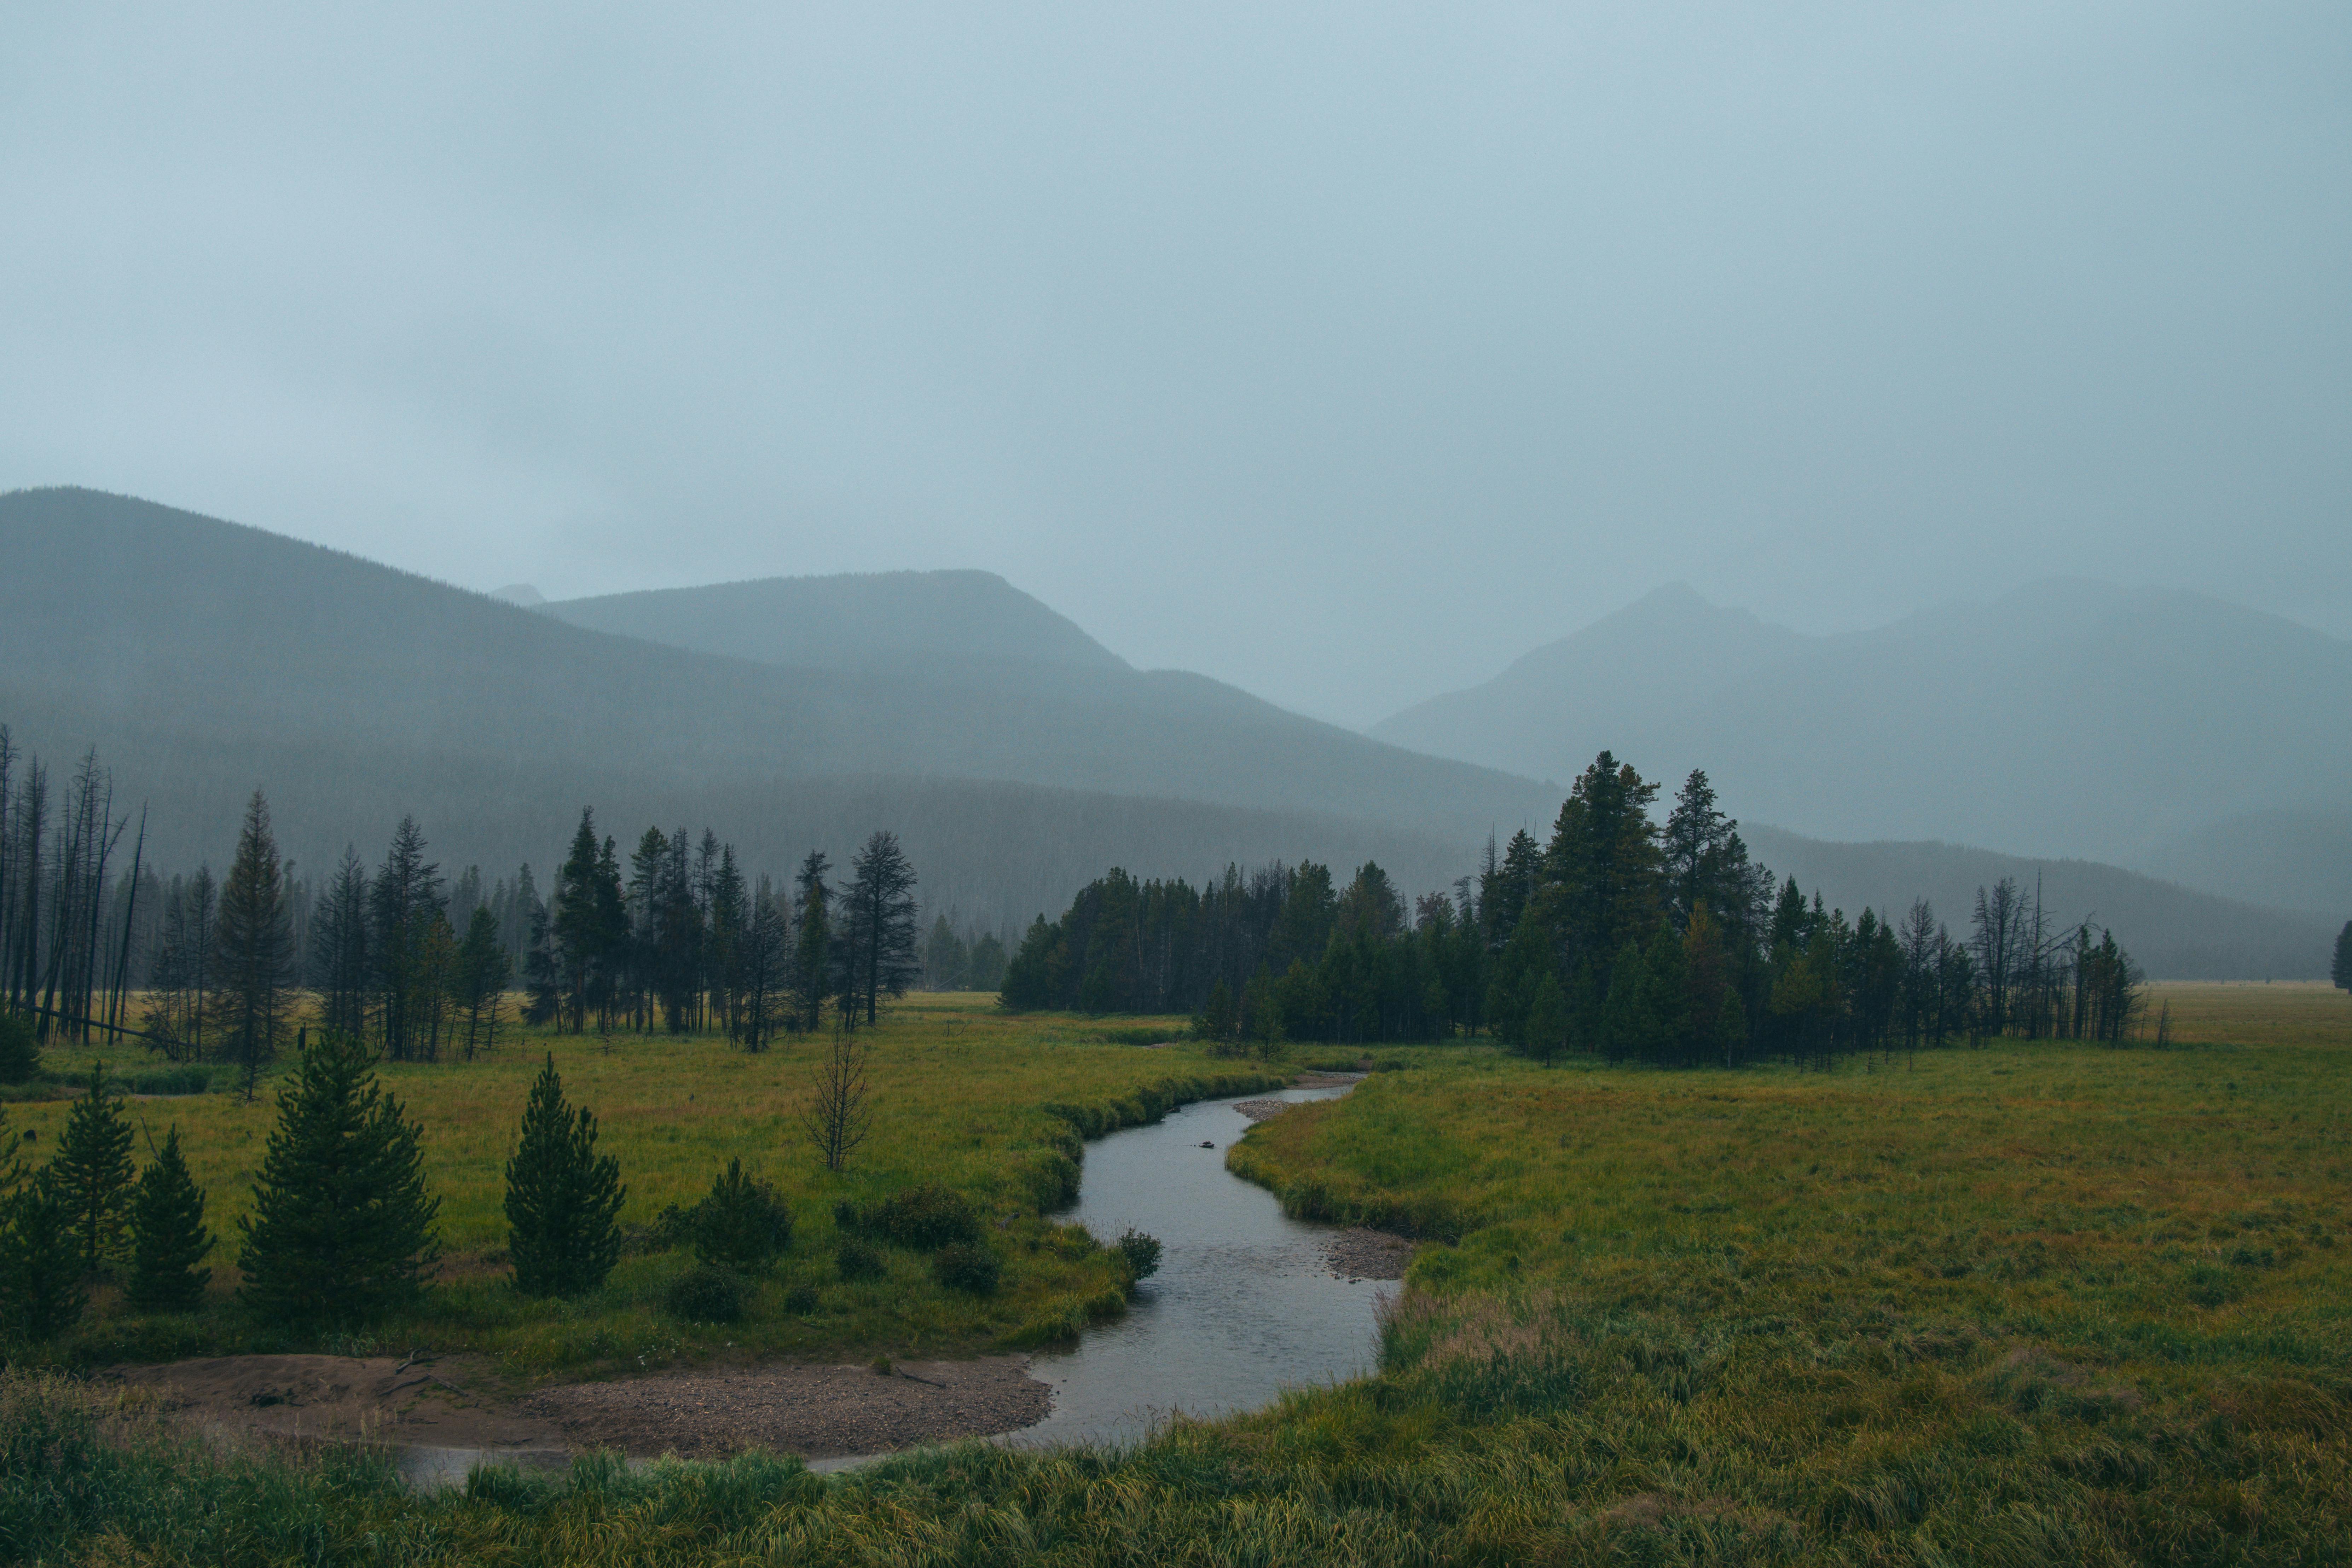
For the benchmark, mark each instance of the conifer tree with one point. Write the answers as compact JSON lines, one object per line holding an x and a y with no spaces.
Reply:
{"x":92,"y":1172}
{"x":542,"y":978}
{"x":563,"y":1199}
{"x":342,"y":1227}
{"x":741,"y":1226}
{"x":1546,"y":1022}
{"x":338,"y":948}
{"x":20,"y":1056}
{"x":813,"y":951}
{"x":42,"y":1290}
{"x":879,"y":925}
{"x":2341,"y":972}
{"x":255,"y":941}
{"x":168,"y":1238}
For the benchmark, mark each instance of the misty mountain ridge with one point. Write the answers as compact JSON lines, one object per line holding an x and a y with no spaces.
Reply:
{"x":933,"y":622}
{"x":221,"y":657}
{"x":2070,"y":718}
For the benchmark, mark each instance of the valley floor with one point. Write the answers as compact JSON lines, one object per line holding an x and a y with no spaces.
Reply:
{"x":2027,"y":1304}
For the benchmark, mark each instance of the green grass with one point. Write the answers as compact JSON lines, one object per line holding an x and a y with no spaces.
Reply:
{"x":2030,"y":1304}
{"x":961,"y":1095}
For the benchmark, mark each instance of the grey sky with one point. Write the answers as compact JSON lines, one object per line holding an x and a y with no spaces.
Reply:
{"x":1342,"y":351}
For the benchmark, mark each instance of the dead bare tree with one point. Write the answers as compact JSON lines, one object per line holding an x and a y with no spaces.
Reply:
{"x":842,"y":1112}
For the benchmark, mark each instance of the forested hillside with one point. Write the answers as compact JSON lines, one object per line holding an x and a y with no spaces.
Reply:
{"x":203,"y":660}
{"x":2067,"y":719}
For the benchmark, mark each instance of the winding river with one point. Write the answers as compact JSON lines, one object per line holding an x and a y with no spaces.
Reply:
{"x":1242,"y":1307}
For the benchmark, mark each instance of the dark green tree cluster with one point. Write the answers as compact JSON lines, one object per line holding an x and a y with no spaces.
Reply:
{"x":1259,"y":957}
{"x":1619,"y":936}
{"x":85,"y":1217}
{"x":2341,"y":970}
{"x":951,"y":963}
{"x":683,"y":943}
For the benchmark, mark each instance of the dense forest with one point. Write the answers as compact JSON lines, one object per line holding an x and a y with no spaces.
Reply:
{"x":1618,"y":936}
{"x":94,"y":941}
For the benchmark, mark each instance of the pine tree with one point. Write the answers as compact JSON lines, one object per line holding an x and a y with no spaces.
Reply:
{"x":878,"y":923}
{"x":342,"y":1227}
{"x":92,"y":1172}
{"x":168,"y":1238}
{"x":480,"y":975}
{"x":42,"y":1288}
{"x":255,"y":941}
{"x":741,"y":1226}
{"x":563,"y":1199}
{"x":405,"y":904}
{"x":813,"y":951}
{"x":541,"y":976}
{"x":2342,"y":970}
{"x":1546,"y":1022}
{"x":20,"y":1058}
{"x":339,"y":949}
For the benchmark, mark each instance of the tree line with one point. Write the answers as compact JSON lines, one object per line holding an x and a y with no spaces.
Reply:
{"x":1620,"y":936}
{"x":419,"y":965}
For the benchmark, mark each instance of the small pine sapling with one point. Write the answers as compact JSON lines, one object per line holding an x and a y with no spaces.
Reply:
{"x":168,"y":1238}
{"x":93,"y":1172}
{"x":563,"y":1199}
{"x":42,"y":1288}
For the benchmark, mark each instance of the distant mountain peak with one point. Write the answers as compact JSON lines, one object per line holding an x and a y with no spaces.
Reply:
{"x":522,"y":593}
{"x":851,"y":620}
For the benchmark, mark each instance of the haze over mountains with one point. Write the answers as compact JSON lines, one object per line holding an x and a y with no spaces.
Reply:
{"x":203,"y":658}
{"x":1019,"y":758}
{"x":2159,"y":729}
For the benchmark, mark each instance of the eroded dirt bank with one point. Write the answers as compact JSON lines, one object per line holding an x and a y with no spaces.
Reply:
{"x":814,"y":1411}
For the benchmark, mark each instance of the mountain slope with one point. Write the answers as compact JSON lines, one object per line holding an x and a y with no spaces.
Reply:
{"x":2175,"y":932}
{"x":2067,"y":719}
{"x":191,"y":649}
{"x":917,"y":622}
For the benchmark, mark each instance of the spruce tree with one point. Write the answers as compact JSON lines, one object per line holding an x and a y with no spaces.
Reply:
{"x":255,"y":941}
{"x":168,"y":1238}
{"x":342,"y":1225}
{"x":1546,"y":1021}
{"x":2342,"y":971}
{"x":92,"y":1172}
{"x":20,"y":1056}
{"x":813,"y":949}
{"x":741,"y":1226}
{"x":564,"y":1200}
{"x":41,"y":1279}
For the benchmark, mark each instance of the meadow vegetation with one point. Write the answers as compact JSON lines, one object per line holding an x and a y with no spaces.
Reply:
{"x":2035,"y":1302}
{"x":964,"y":1099}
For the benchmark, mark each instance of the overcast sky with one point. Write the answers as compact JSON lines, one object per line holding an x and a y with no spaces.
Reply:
{"x":1342,"y":351}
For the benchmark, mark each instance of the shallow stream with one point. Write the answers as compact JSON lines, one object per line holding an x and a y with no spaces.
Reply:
{"x":1242,"y":1307}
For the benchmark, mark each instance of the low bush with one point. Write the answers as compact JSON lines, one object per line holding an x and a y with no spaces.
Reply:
{"x":924,"y":1218}
{"x":707,"y":1295}
{"x":857,"y":1261}
{"x":966,"y":1266}
{"x":1141,"y":1252}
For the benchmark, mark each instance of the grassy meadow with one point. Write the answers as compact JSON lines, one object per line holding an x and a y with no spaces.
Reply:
{"x":959,"y":1095}
{"x":2026,"y":1304}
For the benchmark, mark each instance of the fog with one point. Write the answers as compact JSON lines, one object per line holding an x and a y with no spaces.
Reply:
{"x":1342,"y":352}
